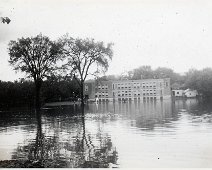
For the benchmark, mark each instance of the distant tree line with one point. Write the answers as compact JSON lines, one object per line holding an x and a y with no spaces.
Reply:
{"x":64,"y":88}
{"x":22,"y":92}
{"x":200,"y":80}
{"x":146,"y":72}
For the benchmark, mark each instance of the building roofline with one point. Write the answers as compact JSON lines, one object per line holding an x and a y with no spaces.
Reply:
{"x":140,"y":80}
{"x":93,"y":81}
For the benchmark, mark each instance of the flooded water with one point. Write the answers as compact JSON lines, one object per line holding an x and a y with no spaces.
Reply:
{"x":152,"y":134}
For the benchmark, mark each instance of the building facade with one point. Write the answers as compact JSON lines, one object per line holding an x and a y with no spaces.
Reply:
{"x":191,"y":93}
{"x":178,"y":93}
{"x":128,"y":90}
{"x":188,"y":93}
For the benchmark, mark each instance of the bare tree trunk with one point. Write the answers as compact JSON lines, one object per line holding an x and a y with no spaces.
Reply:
{"x":38,"y":84}
{"x":38,"y":152}
{"x":82,"y":95}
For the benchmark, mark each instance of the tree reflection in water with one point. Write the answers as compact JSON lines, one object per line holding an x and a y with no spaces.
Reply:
{"x":81,"y":150}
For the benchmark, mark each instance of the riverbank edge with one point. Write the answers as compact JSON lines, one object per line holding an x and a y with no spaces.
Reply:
{"x":32,"y":164}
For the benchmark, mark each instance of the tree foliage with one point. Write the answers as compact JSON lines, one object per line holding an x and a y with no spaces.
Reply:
{"x":146,"y":72}
{"x":200,"y":80}
{"x":143,"y":72}
{"x":36,"y":56}
{"x":16,"y":93}
{"x":83,"y":55}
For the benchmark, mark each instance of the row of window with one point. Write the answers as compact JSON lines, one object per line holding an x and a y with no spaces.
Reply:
{"x":102,"y":92}
{"x":144,"y":94}
{"x":130,"y":83}
{"x":102,"y":88}
{"x":144,"y":98}
{"x":154,"y":87}
{"x":136,"y":86}
{"x":137,"y":91}
{"x":101,"y":95}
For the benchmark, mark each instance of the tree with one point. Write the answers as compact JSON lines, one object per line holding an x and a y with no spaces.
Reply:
{"x":36,"y":56}
{"x":200,"y":80}
{"x":84,"y":56}
{"x":143,"y":72}
{"x":163,"y":72}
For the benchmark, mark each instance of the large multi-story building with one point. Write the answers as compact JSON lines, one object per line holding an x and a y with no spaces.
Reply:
{"x":127,"y":90}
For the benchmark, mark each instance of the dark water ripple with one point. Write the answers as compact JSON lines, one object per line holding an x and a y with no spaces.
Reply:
{"x":151,"y":134}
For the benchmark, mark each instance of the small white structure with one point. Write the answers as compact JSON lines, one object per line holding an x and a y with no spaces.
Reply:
{"x":190,"y":93}
{"x":97,"y":100}
{"x":178,"y":93}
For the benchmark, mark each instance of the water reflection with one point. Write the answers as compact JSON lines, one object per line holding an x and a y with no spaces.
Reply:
{"x":142,"y":115}
{"x":134,"y":134}
{"x":61,"y":143}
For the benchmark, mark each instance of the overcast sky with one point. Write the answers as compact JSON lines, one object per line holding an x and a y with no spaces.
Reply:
{"x":167,"y":33}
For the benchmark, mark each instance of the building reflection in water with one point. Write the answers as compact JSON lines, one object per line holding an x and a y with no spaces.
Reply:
{"x":65,"y":138}
{"x":144,"y":114}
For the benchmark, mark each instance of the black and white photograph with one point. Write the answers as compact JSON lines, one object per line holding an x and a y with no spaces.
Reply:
{"x":106,"y":84}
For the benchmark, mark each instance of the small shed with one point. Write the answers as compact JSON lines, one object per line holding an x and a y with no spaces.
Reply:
{"x":190,"y":93}
{"x":178,"y":93}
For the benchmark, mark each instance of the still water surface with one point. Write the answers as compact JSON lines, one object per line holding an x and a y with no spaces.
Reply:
{"x":130,"y":135}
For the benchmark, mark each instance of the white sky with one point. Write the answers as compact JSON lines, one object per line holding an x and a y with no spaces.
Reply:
{"x":167,"y":33}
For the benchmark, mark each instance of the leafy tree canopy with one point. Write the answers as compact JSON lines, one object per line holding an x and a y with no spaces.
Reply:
{"x":35,"y":56}
{"x":84,"y":54}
